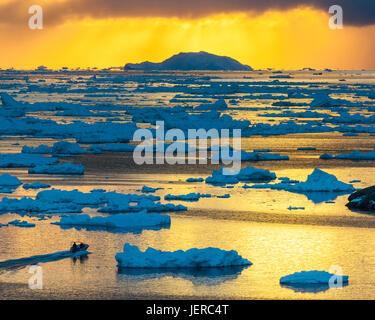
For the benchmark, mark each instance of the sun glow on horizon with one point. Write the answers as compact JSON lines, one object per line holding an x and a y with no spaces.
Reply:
{"x":284,"y":40}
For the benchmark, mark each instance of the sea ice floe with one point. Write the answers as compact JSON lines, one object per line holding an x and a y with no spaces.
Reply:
{"x":245,"y":174}
{"x":59,"y":169}
{"x":355,"y":155}
{"x":194,"y":180}
{"x":36,"y":185}
{"x":59,"y":201}
{"x":146,"y":189}
{"x":6,"y":180}
{"x":67,"y":148}
{"x":21,"y":224}
{"x":187,"y":197}
{"x":246,"y":156}
{"x":111,"y":147}
{"x":42,"y":149}
{"x":132,"y":257}
{"x":317,"y":181}
{"x":312,"y":277}
{"x":119,"y":221}
{"x":19,"y":160}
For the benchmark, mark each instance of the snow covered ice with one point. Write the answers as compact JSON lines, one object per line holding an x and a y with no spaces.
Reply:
{"x":133,"y":257}
{"x":118,"y":221}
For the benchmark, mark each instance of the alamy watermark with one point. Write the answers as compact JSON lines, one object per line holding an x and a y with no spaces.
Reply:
{"x":36,"y":20}
{"x":36,"y":280}
{"x":336,"y":20}
{"x":196,"y":147}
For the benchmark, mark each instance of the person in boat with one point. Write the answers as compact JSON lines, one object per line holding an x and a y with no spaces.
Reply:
{"x":74,"y":247}
{"x":82,"y":245}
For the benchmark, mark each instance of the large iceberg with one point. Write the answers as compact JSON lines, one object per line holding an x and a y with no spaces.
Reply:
{"x":132,"y":257}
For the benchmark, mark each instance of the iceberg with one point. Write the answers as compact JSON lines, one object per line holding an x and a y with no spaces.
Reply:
{"x":317,"y":181}
{"x":60,"y":169}
{"x":132,"y":257}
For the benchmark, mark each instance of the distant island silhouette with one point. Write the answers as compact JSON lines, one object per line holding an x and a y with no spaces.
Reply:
{"x":192,"y":61}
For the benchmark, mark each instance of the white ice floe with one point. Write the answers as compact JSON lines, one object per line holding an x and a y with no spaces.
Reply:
{"x":42,"y":149}
{"x":67,"y":148}
{"x":355,"y":155}
{"x":59,"y":201}
{"x":246,"y":156}
{"x":132,"y":257}
{"x":36,"y":185}
{"x":59,"y":169}
{"x":21,"y":224}
{"x":194,"y":180}
{"x":111,"y":147}
{"x":187,"y":197}
{"x":121,"y":221}
{"x":217,"y":105}
{"x":245,"y":174}
{"x":312,"y":277}
{"x":6,"y":180}
{"x":146,"y":189}
{"x":317,"y":181}
{"x":19,"y":160}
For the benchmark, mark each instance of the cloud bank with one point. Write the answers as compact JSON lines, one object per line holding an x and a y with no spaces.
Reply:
{"x":356,"y":12}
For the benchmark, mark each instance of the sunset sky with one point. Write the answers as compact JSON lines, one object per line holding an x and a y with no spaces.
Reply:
{"x":283,"y":34}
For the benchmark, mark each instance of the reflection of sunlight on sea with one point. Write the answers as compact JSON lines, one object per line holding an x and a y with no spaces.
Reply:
{"x":295,"y":240}
{"x":275,"y":250}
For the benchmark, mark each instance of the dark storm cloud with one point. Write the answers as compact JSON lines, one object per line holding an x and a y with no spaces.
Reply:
{"x":356,"y":12}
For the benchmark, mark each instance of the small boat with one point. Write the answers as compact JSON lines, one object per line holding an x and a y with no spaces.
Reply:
{"x":81,"y":251}
{"x":79,"y":248}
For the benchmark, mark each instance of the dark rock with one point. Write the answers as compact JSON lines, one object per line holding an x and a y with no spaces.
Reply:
{"x":363,"y":199}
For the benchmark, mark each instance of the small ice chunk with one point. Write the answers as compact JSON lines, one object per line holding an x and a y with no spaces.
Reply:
{"x":311,"y":277}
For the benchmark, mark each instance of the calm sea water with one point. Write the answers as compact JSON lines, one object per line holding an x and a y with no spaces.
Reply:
{"x":256,"y":223}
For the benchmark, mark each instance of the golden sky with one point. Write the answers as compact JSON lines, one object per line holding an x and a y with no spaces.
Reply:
{"x":290,"y":39}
